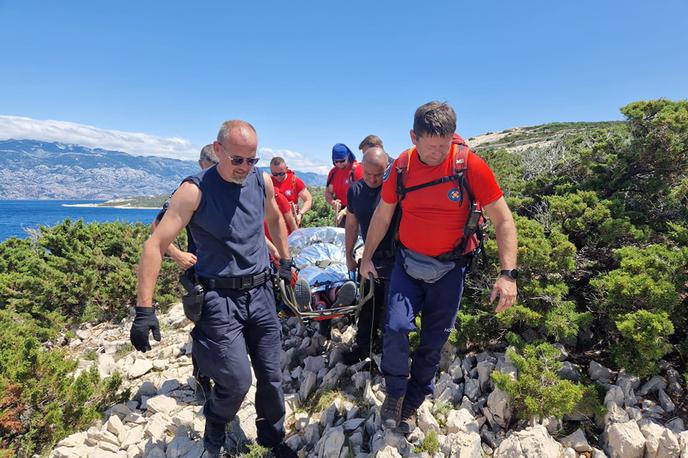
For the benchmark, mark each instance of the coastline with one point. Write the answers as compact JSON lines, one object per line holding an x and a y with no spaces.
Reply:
{"x":122,"y":207}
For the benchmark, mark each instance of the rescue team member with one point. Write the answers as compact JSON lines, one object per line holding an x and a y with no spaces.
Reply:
{"x":285,"y":210}
{"x":186,"y":260}
{"x":345,"y":172}
{"x":224,"y":207}
{"x":429,"y":270}
{"x":362,"y":198}
{"x":293,"y":187}
{"x":370,"y":141}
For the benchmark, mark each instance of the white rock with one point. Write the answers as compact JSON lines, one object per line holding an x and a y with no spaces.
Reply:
{"x":114,"y":425}
{"x":426,"y":421}
{"x":532,"y":442}
{"x":660,"y":441}
{"x":69,"y":452}
{"x":577,"y":441}
{"x":465,"y":445}
{"x":106,"y":365}
{"x":132,"y":436}
{"x":140,"y":367}
{"x":614,"y":395}
{"x":461,"y":421}
{"x":683,"y":442}
{"x":387,"y":452}
{"x":624,"y":440}
{"x":163,"y":404}
{"x":75,"y":440}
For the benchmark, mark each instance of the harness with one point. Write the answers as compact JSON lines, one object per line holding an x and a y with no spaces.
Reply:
{"x":475,"y":222}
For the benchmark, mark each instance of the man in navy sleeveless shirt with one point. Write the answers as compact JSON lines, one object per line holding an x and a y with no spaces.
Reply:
{"x":224,"y":207}
{"x":362,"y":199}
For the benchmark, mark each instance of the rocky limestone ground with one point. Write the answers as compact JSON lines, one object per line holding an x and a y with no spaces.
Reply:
{"x":333,"y":410}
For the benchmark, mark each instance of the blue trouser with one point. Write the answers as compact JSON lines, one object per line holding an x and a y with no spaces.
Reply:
{"x":438,"y":303}
{"x":234,"y":325}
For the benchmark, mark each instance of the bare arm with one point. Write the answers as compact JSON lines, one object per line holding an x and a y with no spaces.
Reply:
{"x":350,"y":236}
{"x":278,"y":230}
{"x":307,"y":198}
{"x":290,"y":222}
{"x":182,"y":205}
{"x":272,"y":249}
{"x":329,"y":197}
{"x":183,"y":259}
{"x":376,"y":232}
{"x":507,"y":243}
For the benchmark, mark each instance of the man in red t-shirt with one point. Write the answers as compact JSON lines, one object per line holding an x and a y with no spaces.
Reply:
{"x":289,"y":221}
{"x":345,"y":172}
{"x":432,"y":225}
{"x":292,"y":187}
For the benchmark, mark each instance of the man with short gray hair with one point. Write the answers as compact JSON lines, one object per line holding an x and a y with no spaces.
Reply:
{"x":224,"y":207}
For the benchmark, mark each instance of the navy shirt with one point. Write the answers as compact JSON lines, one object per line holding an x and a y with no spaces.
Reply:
{"x":361,"y":201}
{"x":227,"y":226}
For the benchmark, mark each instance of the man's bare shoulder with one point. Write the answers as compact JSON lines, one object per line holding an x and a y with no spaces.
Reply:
{"x":188,"y":196}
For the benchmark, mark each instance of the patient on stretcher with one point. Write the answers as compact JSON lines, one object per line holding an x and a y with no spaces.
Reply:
{"x":324,"y":281}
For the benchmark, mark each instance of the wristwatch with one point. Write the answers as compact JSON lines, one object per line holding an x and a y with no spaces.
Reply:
{"x":511,"y":273}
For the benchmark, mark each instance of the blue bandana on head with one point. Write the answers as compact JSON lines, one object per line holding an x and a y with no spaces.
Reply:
{"x":340,"y":151}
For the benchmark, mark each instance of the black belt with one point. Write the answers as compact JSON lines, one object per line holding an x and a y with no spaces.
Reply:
{"x":455,"y":255}
{"x":240,"y":283}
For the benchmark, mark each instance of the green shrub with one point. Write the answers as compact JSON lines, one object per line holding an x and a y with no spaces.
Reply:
{"x":644,"y":341}
{"x":430,"y":444}
{"x":538,"y":392}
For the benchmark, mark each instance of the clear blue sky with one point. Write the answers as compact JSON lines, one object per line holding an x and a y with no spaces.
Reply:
{"x":308,"y":74}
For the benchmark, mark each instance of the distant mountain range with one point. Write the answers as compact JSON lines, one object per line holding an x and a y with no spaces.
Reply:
{"x":31,"y":169}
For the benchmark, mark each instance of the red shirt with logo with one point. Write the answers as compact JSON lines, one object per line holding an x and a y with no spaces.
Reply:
{"x":433,"y":218}
{"x":291,"y":186}
{"x":284,"y":208}
{"x":340,"y":179}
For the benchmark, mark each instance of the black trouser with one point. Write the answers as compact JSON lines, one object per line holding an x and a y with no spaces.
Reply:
{"x":371,"y":317}
{"x":236,"y":325}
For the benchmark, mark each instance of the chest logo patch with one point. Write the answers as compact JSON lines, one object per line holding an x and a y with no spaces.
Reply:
{"x":287,"y":192}
{"x":455,"y":195}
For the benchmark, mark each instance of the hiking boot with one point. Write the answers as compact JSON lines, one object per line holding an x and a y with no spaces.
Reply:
{"x":213,"y":438}
{"x":283,"y":451}
{"x":346,"y":294}
{"x":391,"y":411}
{"x":355,"y":355}
{"x":302,"y":294}
{"x":408,"y":419}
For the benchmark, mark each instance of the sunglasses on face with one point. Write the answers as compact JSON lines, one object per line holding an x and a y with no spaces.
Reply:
{"x":340,"y":161}
{"x":278,"y":174}
{"x":238,"y":160}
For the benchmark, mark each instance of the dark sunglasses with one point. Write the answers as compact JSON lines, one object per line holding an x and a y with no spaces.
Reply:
{"x":238,"y":160}
{"x":340,"y":161}
{"x":278,"y":174}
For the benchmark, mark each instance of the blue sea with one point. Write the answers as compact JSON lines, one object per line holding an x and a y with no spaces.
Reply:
{"x":16,"y":216}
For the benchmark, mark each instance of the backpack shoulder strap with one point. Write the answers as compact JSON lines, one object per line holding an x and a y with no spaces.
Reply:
{"x":401,"y":165}
{"x":330,"y":177}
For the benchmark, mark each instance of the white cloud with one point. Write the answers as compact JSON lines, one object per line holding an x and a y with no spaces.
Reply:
{"x":134,"y":143}
{"x":294,"y":160}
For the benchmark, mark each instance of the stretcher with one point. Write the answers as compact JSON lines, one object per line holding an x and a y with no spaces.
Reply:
{"x":319,"y":255}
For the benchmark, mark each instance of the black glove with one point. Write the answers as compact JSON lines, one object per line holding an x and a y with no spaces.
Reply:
{"x":144,"y":321}
{"x":284,"y":271}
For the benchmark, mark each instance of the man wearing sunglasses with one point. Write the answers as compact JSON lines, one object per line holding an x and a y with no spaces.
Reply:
{"x":291,"y":186}
{"x":224,"y":207}
{"x":346,"y":171}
